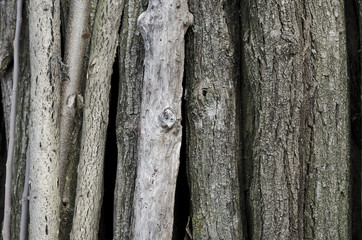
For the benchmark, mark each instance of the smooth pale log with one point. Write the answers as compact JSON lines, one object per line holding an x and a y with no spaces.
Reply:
{"x":163,"y":26}
{"x":44,"y":200}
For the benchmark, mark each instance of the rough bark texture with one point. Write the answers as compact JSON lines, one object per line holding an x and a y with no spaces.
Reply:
{"x":274,"y":43}
{"x":7,"y":30}
{"x":95,"y":121}
{"x":77,"y":44}
{"x":296,"y":131}
{"x":131,"y":57}
{"x":212,"y":110}
{"x":163,"y":26}
{"x":327,"y":197}
{"x":22,"y":126}
{"x":44,"y":35}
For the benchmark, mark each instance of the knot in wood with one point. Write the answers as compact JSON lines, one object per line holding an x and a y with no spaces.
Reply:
{"x":167,"y":118}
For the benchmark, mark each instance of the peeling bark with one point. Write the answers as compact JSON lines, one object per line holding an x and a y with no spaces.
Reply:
{"x":44,"y":37}
{"x":131,"y":57}
{"x":213,"y":116}
{"x":163,"y":26}
{"x":95,"y":121}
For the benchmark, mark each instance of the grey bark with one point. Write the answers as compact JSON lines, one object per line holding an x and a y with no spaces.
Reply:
{"x":22,"y":125}
{"x":328,"y":188}
{"x":296,"y":133}
{"x":12,"y":141}
{"x":77,"y":45}
{"x":95,"y":121}
{"x":273,"y":90}
{"x":213,"y":116}
{"x":7,"y":29}
{"x":44,"y":38}
{"x":163,"y":26}
{"x":131,"y":57}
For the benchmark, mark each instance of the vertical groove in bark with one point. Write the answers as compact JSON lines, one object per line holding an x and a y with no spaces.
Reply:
{"x":44,"y":36}
{"x":77,"y":41}
{"x":95,"y":121}
{"x":273,"y":42}
{"x":163,"y":26}
{"x":354,"y":73}
{"x":212,"y":132}
{"x":131,"y":57}
{"x":327,"y":203}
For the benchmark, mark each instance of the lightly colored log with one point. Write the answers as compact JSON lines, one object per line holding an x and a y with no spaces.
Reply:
{"x":45,"y":49}
{"x":89,"y":191}
{"x":163,"y":26}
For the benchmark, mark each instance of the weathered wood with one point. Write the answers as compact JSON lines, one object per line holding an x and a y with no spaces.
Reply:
{"x":212,"y":96}
{"x":131,"y":57}
{"x":163,"y":26}
{"x":95,"y":121}
{"x":44,"y":34}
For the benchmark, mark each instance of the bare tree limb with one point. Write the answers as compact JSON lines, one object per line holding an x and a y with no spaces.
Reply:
{"x":9,"y":164}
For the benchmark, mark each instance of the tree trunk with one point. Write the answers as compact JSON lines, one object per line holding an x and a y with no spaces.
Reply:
{"x":44,"y":22}
{"x":131,"y":57}
{"x":213,"y":115}
{"x":95,"y":121}
{"x":77,"y":45}
{"x":296,"y":132}
{"x":327,"y":197}
{"x":274,"y":42}
{"x":163,"y":26}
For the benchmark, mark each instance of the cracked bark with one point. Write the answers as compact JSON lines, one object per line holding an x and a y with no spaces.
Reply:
{"x":131,"y":57}
{"x":296,"y":132}
{"x":212,"y":118}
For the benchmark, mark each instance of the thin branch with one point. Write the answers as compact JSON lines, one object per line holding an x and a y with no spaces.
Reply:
{"x":9,"y":164}
{"x":25,"y":202}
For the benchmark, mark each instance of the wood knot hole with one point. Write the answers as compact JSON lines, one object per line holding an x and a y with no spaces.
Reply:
{"x":167,"y":118}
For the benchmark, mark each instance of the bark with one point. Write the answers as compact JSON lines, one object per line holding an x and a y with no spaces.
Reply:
{"x":274,"y":43}
{"x":131,"y":57}
{"x":7,"y":29}
{"x":7,"y":17}
{"x":95,"y":121}
{"x":213,"y":115}
{"x":44,"y":35}
{"x":296,"y":134}
{"x":163,"y":26}
{"x":22,"y":125}
{"x":328,"y":189}
{"x":78,"y":38}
